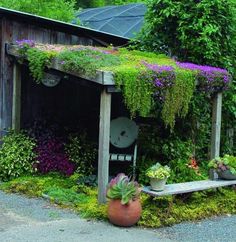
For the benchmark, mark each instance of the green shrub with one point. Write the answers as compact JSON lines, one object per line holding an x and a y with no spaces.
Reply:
{"x":183,"y":171}
{"x":82,"y":153}
{"x":16,"y":156}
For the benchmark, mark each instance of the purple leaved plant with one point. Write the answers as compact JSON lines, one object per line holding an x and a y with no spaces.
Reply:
{"x":51,"y":157}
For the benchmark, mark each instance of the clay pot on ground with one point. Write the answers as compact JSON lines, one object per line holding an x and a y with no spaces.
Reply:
{"x":124,"y":215}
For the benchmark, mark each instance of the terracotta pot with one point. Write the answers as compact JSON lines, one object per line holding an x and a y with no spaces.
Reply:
{"x":124,"y":215}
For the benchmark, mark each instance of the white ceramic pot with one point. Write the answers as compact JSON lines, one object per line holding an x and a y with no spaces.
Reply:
{"x":158,"y":184}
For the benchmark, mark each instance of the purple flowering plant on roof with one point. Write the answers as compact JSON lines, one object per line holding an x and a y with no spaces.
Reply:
{"x":25,"y":43}
{"x":209,"y":79}
{"x":162,"y":78}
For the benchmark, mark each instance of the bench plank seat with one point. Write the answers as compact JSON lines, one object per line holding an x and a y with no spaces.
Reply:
{"x":187,"y":187}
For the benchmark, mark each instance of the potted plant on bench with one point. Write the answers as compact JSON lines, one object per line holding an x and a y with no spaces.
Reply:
{"x":158,"y":175}
{"x":124,"y":207}
{"x":225,"y":167}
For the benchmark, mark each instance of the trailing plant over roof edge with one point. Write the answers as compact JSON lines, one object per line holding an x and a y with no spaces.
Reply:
{"x":145,"y":78}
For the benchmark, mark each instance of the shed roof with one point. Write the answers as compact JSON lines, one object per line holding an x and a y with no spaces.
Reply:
{"x":63,"y":26}
{"x":125,"y":20}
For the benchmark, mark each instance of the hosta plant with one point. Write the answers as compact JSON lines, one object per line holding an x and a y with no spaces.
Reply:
{"x":158,"y":171}
{"x":121,"y":187}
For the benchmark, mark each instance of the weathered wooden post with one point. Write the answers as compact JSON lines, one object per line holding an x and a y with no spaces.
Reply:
{"x":16,"y":104}
{"x":216,"y":126}
{"x":104,"y":142}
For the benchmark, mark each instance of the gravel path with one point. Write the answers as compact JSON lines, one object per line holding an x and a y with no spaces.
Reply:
{"x":23,"y":219}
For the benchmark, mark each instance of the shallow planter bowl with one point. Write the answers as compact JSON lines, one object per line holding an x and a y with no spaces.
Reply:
{"x":158,"y":184}
{"x":226,"y":175}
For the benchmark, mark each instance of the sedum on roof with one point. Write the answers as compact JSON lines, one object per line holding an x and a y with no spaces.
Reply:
{"x":145,"y":79}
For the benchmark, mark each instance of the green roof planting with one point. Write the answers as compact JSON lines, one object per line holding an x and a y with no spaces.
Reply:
{"x":144,"y":78}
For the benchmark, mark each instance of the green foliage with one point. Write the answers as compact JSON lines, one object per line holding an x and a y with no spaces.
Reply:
{"x":177,"y":99}
{"x":228,"y":162}
{"x":122,"y":188}
{"x":86,"y":61}
{"x":137,"y":91}
{"x":158,"y":171}
{"x":190,"y":31}
{"x":16,"y":156}
{"x":158,"y":212}
{"x":56,"y":9}
{"x":143,"y":163}
{"x":181,"y":171}
{"x":38,"y":60}
{"x":81,"y":152}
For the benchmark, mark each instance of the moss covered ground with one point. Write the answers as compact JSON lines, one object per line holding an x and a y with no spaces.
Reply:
{"x":157,"y":212}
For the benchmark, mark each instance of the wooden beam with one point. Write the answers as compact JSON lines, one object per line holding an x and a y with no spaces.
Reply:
{"x":216,"y":126}
{"x":102,"y":77}
{"x":104,"y":142}
{"x":16,"y":105}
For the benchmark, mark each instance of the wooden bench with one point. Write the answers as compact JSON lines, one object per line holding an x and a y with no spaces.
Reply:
{"x":188,"y":187}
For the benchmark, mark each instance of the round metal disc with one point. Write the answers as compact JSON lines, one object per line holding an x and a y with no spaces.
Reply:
{"x":123,"y":132}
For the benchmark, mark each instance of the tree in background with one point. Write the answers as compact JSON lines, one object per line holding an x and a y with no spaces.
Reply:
{"x":56,"y":9}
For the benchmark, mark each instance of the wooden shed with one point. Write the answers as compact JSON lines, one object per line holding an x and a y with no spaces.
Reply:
{"x":17,"y":26}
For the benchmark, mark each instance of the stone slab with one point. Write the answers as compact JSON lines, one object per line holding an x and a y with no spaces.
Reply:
{"x":186,"y":187}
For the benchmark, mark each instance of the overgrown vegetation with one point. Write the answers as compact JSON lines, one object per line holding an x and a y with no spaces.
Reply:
{"x":55,"y":9}
{"x":145,"y":78}
{"x":156,"y":212}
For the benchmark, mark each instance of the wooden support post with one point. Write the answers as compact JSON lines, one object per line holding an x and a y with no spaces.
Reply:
{"x":104,"y":142}
{"x":16,"y":104}
{"x":216,"y":126}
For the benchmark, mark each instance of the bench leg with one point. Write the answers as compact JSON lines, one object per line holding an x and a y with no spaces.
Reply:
{"x":171,"y":203}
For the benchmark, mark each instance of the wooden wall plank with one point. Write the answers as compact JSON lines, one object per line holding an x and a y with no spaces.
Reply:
{"x":6,"y":73}
{"x":104,"y":142}
{"x":216,"y":126}
{"x":16,"y":104}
